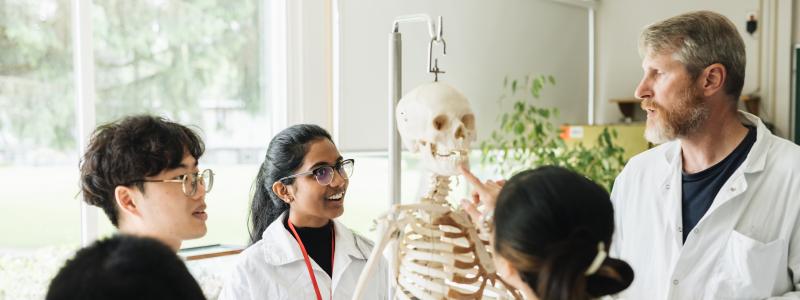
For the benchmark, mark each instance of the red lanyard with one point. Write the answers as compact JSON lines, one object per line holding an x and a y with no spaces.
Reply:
{"x":308,"y":261}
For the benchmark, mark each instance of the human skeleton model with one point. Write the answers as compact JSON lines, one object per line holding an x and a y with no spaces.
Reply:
{"x":439,"y":252}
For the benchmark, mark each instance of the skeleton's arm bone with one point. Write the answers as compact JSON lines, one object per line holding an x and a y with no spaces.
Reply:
{"x":374,"y":258}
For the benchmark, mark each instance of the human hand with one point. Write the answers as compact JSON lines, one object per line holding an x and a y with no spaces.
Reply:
{"x":483,"y":194}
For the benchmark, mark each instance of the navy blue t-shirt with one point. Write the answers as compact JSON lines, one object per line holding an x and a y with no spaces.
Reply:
{"x":699,"y":189}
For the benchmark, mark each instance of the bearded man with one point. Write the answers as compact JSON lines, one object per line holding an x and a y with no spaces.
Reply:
{"x":714,"y":211}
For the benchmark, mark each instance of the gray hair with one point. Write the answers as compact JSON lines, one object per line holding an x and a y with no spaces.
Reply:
{"x":699,"y":39}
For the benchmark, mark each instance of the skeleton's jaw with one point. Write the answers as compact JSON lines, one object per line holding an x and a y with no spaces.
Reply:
{"x":443,"y":161}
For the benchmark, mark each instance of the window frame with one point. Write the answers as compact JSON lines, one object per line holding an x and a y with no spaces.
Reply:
{"x":275,"y":71}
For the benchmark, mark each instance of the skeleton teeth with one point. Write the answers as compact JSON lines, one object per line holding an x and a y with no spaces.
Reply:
{"x":451,"y":154}
{"x":336,"y":197}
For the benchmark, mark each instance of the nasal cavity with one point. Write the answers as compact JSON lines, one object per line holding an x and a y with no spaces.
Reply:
{"x":460,"y":132}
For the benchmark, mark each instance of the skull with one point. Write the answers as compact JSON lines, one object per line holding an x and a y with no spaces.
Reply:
{"x":436,"y":119}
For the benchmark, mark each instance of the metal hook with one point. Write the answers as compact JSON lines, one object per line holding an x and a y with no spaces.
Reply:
{"x":433,"y":64}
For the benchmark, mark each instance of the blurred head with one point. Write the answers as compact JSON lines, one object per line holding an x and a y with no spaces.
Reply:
{"x":548,"y":225}
{"x":689,"y":60}
{"x":124,"y":267}
{"x":121,"y":170}
{"x":302,"y":172}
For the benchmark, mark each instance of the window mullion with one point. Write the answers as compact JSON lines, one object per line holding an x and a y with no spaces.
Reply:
{"x":83,"y":59}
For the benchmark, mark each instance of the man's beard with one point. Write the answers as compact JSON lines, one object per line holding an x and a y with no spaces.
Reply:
{"x":689,"y":114}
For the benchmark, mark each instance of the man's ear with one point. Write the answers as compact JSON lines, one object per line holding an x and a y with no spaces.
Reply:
{"x":713,"y":79}
{"x":124,"y":196}
{"x":282,"y":191}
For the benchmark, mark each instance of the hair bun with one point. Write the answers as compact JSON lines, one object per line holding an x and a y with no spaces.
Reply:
{"x":562,"y":274}
{"x":613,"y":277}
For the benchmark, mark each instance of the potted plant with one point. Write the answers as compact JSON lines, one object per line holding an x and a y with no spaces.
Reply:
{"x":527,"y":138}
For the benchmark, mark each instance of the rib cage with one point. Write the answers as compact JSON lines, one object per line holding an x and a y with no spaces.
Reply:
{"x":440,"y":254}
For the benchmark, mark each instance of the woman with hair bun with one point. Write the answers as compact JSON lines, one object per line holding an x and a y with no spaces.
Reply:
{"x":551,"y":232}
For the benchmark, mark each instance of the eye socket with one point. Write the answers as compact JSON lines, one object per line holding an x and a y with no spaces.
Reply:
{"x":469,"y":121}
{"x":439,"y":122}
{"x":657,"y":73}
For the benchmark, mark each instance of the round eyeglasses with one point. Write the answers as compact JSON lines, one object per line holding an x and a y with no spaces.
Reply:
{"x":324,"y":174}
{"x":189,"y":181}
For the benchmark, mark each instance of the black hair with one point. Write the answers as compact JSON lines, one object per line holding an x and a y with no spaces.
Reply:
{"x":123,"y":152}
{"x":548,"y":224}
{"x":124,"y":267}
{"x":285,"y":155}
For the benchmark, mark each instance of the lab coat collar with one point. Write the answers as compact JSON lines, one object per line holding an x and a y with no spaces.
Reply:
{"x":346,"y":242}
{"x":281,"y":247}
{"x":755,"y":160}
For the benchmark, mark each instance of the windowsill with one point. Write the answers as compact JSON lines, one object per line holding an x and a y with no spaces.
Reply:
{"x":211,"y":265}
{"x":209,"y":251}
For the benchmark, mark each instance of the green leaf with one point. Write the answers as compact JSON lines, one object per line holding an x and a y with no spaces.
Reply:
{"x":528,"y":137}
{"x":519,"y":128}
{"x":519,"y":107}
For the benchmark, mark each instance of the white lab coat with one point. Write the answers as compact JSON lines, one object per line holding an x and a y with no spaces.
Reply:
{"x":746,"y":246}
{"x":273,"y":268}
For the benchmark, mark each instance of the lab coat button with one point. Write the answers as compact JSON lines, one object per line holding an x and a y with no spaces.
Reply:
{"x":733,"y":189}
{"x":675,"y":282}
{"x":666,"y":187}
{"x":680,"y":229}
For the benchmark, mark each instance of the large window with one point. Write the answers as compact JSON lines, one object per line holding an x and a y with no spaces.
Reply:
{"x":200,"y":63}
{"x":38,"y":145}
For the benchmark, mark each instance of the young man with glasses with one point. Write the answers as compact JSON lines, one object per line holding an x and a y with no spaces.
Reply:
{"x":143,"y":172}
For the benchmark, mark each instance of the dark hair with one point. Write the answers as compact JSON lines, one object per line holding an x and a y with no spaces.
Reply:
{"x":284,"y":155}
{"x":124,"y":267}
{"x":122,"y":152}
{"x":548,"y":223}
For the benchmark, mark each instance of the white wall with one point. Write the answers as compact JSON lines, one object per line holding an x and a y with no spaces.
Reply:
{"x":619,"y":23}
{"x":489,"y":40}
{"x":777,"y":64}
{"x":796,"y":41}
{"x":308,"y":62}
{"x":485,"y":42}
{"x":796,"y":19}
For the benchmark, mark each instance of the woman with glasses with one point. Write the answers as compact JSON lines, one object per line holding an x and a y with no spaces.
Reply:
{"x":298,"y":250}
